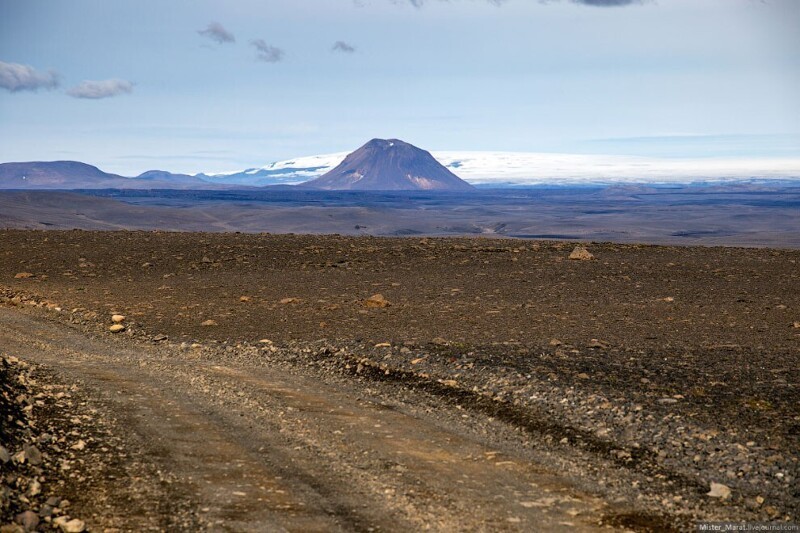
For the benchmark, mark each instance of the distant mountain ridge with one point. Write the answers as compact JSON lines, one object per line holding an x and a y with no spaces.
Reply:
{"x":479,"y":168}
{"x":52,"y":174}
{"x":44,"y":175}
{"x":389,"y":165}
{"x":378,"y":165}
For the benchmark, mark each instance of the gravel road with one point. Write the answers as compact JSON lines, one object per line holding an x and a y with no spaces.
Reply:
{"x":245,"y":447}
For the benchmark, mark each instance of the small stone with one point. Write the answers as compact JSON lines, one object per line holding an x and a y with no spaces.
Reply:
{"x":34,"y":488}
{"x":289,"y":301}
{"x":69,"y":526}
{"x":244,"y":298}
{"x":205,"y":259}
{"x":160,"y":337}
{"x":667,"y":400}
{"x":33,"y":455}
{"x":580,"y":253}
{"x":117,"y":319}
{"x":12,"y":528}
{"x":80,"y":445}
{"x":4,"y":455}
{"x":597,"y":344}
{"x":555,"y":342}
{"x":796,"y":325}
{"x":209,"y":323}
{"x":377,"y":301}
{"x":718,"y":490}
{"x":23,"y":275}
{"x":439,"y":341}
{"x":28,"y":520}
{"x":383,"y":345}
{"x":582,"y":375}
{"x":116,"y":328}
{"x":74,"y":526}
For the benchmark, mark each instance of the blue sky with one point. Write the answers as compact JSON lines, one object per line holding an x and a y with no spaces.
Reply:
{"x":131,"y":85}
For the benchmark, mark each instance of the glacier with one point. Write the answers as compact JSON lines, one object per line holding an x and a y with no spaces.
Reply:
{"x":504,"y":169}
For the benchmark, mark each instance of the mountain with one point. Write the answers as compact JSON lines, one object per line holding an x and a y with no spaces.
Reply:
{"x":66,"y":175}
{"x":54,"y":175}
{"x":173,"y":179}
{"x":389,"y":165}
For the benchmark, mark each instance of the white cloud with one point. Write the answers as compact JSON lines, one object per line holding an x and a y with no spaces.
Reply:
{"x":95,"y":90}
{"x":15,"y":77}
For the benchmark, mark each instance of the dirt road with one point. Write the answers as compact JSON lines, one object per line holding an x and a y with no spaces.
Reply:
{"x":242,"y":446}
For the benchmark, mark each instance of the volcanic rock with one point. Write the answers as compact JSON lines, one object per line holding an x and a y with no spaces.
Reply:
{"x":718,"y":490}
{"x":580,"y":253}
{"x":377,"y":300}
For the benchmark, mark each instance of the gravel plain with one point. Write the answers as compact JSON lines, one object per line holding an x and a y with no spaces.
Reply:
{"x":657,"y":385}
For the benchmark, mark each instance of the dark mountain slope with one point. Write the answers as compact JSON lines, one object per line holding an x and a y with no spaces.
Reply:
{"x":71,"y":175}
{"x":389,"y":165}
{"x":54,"y":175}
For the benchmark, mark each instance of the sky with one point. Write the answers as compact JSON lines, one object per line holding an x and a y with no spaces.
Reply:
{"x":219,"y":85}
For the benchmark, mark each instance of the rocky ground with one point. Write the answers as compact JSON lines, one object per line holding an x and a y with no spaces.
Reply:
{"x":40,"y":447}
{"x":61,"y":461}
{"x":663,"y":378}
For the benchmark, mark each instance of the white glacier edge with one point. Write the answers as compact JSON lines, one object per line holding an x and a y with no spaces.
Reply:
{"x":532,"y":168}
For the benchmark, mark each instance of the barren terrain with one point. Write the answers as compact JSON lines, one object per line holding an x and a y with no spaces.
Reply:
{"x":737,"y":214}
{"x":494,"y":384}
